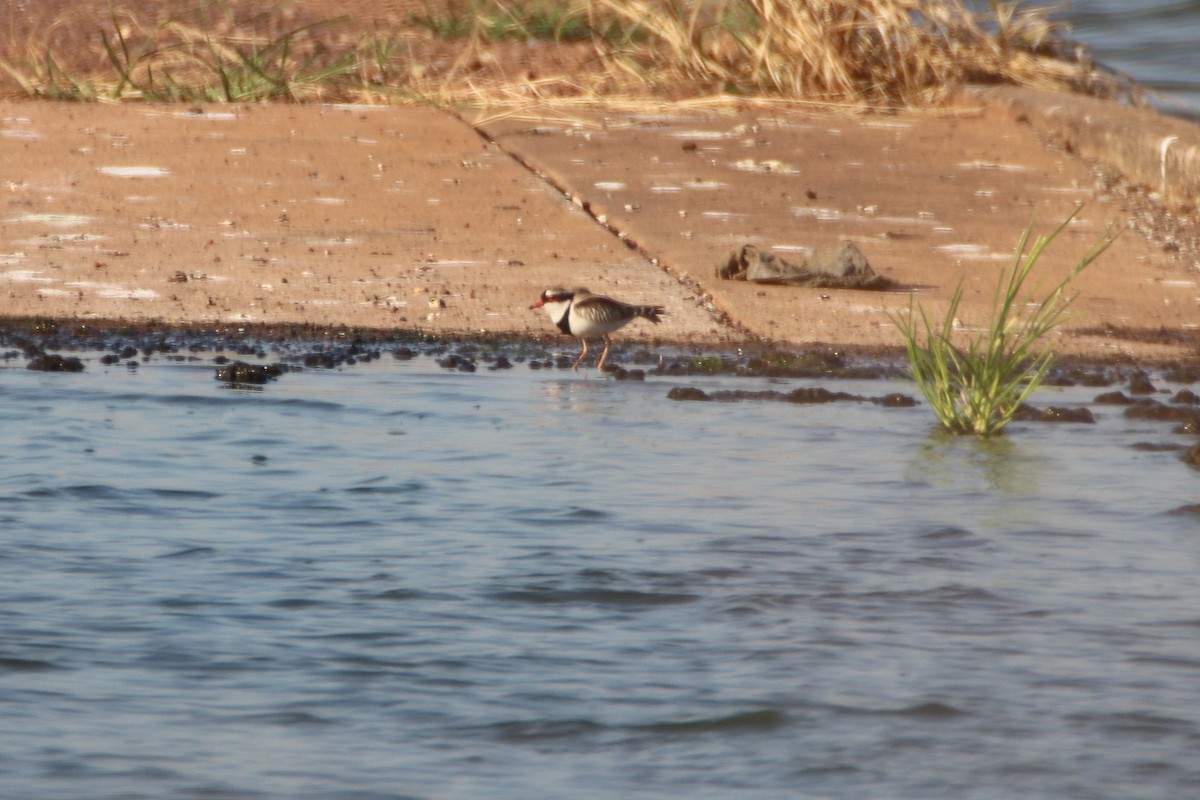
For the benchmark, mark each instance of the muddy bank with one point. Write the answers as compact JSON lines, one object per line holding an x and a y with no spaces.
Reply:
{"x":330,"y":347}
{"x":254,"y":358}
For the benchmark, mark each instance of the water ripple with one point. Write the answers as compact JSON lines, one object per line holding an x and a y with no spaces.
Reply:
{"x":751,"y":721}
{"x":270,"y":588}
{"x":26,"y":664}
{"x":540,"y":729}
{"x":190,"y":552}
{"x":593,"y":596}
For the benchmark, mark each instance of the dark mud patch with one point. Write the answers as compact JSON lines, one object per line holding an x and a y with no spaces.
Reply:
{"x":53,"y":362}
{"x":1160,"y":336}
{"x":1114,"y":398}
{"x":239,"y":373}
{"x":1188,"y":418}
{"x":1186,"y":373}
{"x":1028,"y":413}
{"x":1083,"y":376}
{"x":817,"y":362}
{"x":1182,"y":411}
{"x":325,"y":347}
{"x":318,"y":347}
{"x":802,"y":396}
{"x":328,"y":347}
{"x":815,"y":395}
{"x":1137,"y":379}
{"x":1185,"y":397}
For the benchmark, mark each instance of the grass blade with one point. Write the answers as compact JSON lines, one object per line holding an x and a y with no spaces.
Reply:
{"x":979,"y":389}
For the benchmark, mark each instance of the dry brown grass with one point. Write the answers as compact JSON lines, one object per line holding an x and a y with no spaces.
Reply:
{"x":877,"y":53}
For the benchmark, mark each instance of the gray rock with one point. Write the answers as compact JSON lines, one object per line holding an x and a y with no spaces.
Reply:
{"x":843,"y":267}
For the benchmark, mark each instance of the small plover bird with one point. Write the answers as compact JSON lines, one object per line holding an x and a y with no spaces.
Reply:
{"x":579,"y":313}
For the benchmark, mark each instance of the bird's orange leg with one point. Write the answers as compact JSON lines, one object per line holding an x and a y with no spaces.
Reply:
{"x":604,"y":355}
{"x":579,"y":360}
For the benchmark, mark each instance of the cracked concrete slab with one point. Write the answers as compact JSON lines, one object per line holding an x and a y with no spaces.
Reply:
{"x":931,"y":199}
{"x":316,"y":215}
{"x":409,"y":218}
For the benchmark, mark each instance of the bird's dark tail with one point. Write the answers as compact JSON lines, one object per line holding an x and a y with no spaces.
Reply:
{"x":652,"y":313}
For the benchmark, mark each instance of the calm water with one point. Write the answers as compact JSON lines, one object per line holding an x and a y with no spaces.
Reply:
{"x":1157,"y":42}
{"x":397,"y":581}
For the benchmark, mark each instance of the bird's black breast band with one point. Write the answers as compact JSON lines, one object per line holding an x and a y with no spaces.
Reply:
{"x":564,"y":324}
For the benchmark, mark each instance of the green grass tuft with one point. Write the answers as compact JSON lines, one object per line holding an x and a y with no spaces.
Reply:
{"x":978,"y":388}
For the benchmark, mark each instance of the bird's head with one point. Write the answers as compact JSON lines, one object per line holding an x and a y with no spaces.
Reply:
{"x":551,"y":296}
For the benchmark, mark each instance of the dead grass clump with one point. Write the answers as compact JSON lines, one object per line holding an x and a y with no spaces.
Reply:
{"x":500,"y":52}
{"x":893,"y":52}
{"x":472,"y":72}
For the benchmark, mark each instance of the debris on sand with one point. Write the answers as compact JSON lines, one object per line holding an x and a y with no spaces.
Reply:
{"x":843,"y":267}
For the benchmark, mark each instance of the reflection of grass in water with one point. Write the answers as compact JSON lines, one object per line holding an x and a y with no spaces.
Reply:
{"x":967,"y":465}
{"x":979,"y":387}
{"x":889,"y":52}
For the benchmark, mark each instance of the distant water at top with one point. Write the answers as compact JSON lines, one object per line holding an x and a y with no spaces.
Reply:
{"x":1155,"y":42}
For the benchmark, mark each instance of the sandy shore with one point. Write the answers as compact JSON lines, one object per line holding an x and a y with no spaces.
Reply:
{"x":414,"y":219}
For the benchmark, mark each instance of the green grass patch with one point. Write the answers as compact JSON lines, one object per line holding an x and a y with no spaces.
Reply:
{"x":712,"y":365}
{"x":539,"y":20}
{"x":179,"y":59}
{"x":219,"y":70}
{"x":976,"y":388}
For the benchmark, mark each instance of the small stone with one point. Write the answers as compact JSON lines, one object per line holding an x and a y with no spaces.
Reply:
{"x":1139,"y":384}
{"x":1192,"y":456}
{"x":1055,"y":414}
{"x":55,"y":363}
{"x":239,"y":372}
{"x":319,"y":361}
{"x":687,"y":393}
{"x":1186,"y":397}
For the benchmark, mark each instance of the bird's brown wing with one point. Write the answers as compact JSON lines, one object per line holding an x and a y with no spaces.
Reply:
{"x":601,"y":310}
